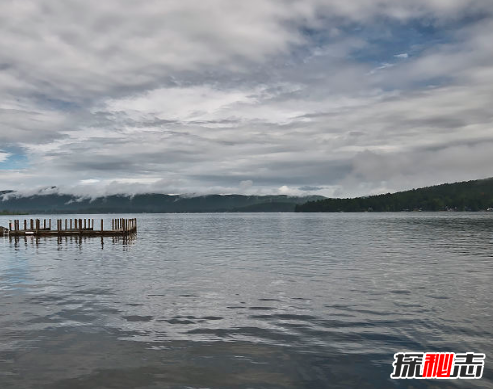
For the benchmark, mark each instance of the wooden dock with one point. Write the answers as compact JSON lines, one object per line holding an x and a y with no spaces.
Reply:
{"x":70,"y":227}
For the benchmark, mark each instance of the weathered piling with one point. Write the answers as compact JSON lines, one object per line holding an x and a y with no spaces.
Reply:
{"x":71,"y":227}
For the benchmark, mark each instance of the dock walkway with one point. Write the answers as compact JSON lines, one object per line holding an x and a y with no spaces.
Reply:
{"x":70,"y":227}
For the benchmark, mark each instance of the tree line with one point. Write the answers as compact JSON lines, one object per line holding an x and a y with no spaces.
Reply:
{"x":474,"y":195}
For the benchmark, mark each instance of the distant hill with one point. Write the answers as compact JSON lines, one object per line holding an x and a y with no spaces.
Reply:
{"x":461,"y":196}
{"x":56,"y":203}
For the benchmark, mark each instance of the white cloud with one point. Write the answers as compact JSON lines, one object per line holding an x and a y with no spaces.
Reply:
{"x":257,"y":97}
{"x":4,"y":156}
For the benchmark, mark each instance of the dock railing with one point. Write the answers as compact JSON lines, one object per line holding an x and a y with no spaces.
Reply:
{"x":71,"y":227}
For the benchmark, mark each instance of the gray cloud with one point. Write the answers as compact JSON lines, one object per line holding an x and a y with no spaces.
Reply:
{"x":252,"y":97}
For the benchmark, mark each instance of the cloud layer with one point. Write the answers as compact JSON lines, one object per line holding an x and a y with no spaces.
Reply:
{"x":314,"y":97}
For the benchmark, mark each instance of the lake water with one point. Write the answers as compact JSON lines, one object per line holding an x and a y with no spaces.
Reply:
{"x":247,"y":301}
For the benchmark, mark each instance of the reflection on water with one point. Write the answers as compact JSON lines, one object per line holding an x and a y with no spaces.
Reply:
{"x":246,"y":301}
{"x":17,"y":241}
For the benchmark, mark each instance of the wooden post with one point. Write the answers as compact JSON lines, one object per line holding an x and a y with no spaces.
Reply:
{"x":25,"y":224}
{"x":66,"y":224}
{"x":85,"y":224}
{"x":80,"y":225}
{"x":44,"y":224}
{"x":70,"y":223}
{"x":102,"y":227}
{"x":49,"y":224}
{"x":37,"y":225}
{"x":32,"y":225}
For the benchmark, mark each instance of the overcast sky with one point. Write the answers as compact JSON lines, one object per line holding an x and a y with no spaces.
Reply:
{"x":339,"y":98}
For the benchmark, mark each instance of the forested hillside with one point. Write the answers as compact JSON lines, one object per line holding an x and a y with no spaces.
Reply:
{"x":461,"y":196}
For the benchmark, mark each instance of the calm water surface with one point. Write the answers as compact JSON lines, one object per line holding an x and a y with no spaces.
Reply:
{"x":247,"y":301}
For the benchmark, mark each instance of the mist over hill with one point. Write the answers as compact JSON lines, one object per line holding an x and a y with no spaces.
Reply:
{"x":476,"y":195}
{"x":152,"y":202}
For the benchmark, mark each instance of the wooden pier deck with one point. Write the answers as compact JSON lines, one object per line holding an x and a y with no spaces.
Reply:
{"x":70,"y":227}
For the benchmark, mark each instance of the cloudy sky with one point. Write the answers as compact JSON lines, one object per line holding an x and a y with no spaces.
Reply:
{"x":339,"y":98}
